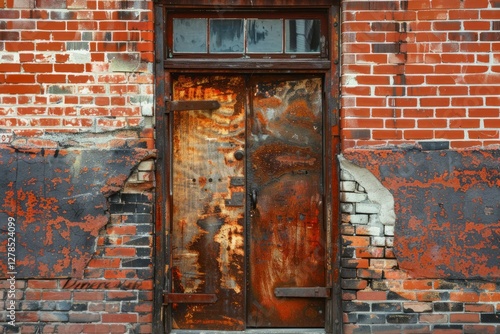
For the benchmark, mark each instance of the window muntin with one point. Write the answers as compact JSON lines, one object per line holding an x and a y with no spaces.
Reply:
{"x":247,"y":34}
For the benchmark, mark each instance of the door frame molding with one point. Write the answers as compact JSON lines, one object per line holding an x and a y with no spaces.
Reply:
{"x":163,"y":127}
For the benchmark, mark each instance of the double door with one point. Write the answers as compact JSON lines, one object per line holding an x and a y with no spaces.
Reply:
{"x":248,"y":239}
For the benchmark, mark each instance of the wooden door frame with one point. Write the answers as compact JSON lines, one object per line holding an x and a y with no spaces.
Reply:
{"x":163,"y":197}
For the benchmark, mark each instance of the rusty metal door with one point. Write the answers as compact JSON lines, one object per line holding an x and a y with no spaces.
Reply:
{"x":247,"y":233}
{"x":284,"y":178}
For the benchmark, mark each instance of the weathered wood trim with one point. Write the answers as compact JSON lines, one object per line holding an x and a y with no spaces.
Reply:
{"x":246,"y":3}
{"x":160,"y":176}
{"x":246,"y":64}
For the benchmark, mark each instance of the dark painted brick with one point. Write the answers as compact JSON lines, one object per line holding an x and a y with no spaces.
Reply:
{"x":129,"y":208}
{"x":63,"y":306}
{"x":386,"y":307}
{"x":139,"y":219}
{"x":144,"y":273}
{"x":391,"y":295}
{"x":143,"y":251}
{"x":115,"y":198}
{"x":448,"y":307}
{"x":348,"y":252}
{"x":353,"y":284}
{"x":29,"y":306}
{"x":48,"y":306}
{"x":136,"y":263}
{"x":490,"y":318}
{"x":79,"y":307}
{"x":402,"y":318}
{"x":116,"y":208}
{"x":351,"y":318}
{"x":143,"y":208}
{"x":348,"y":273}
{"x":371,"y":318}
{"x":355,"y":307}
{"x":459,"y":327}
{"x":434,"y":145}
{"x":141,"y":241}
{"x":144,"y":229}
{"x":135,"y":198}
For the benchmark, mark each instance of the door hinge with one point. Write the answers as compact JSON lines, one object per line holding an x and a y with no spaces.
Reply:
{"x":189,"y":298}
{"x":305,"y":292}
{"x":190,"y":105}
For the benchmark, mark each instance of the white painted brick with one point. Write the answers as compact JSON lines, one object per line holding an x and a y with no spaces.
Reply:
{"x":146,"y":166}
{"x":389,"y":230}
{"x":361,"y":188}
{"x":346,"y":176}
{"x":369,"y":230}
{"x":359,"y":219}
{"x":348,"y":186}
{"x":374,"y":220}
{"x":378,"y":241}
{"x":352,"y":197}
{"x":347,"y":207}
{"x":367,"y":208}
{"x":389,"y":241}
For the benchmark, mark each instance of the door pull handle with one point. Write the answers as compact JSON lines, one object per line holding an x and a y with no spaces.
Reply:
{"x":254,"y":199}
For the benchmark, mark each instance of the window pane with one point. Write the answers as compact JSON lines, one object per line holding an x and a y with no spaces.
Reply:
{"x":190,"y":35}
{"x":226,"y":36}
{"x":265,"y":36}
{"x":302,"y":36}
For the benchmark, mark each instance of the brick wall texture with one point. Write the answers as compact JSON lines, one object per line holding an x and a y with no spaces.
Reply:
{"x":421,"y":70}
{"x":78,"y":74}
{"x":418,"y":73}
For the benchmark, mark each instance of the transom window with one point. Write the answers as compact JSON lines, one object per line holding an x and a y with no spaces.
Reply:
{"x":247,"y":35}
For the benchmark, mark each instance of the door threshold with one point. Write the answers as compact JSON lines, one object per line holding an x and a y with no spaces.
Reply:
{"x":255,"y":331}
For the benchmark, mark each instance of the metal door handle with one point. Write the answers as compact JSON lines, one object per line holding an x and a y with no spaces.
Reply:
{"x":254,"y":199}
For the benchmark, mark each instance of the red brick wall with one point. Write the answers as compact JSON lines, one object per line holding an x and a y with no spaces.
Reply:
{"x":417,"y":74}
{"x":76,"y":65}
{"x":421,"y":70}
{"x":78,"y":75}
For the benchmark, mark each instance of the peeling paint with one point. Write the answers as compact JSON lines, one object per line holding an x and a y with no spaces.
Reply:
{"x":447,"y":208}
{"x":58,"y":198}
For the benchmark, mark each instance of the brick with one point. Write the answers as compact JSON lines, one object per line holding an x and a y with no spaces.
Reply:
{"x":413,"y":307}
{"x":119,"y":318}
{"x":464,"y":318}
{"x":433,"y":318}
{"x":464,"y":296}
{"x":367,"y":208}
{"x":354,"y":284}
{"x":372,"y":295}
{"x":402,"y":318}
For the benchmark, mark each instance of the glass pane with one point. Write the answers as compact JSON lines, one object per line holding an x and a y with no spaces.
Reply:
{"x":190,"y":35}
{"x":265,"y":36}
{"x":226,"y":36}
{"x":302,"y":36}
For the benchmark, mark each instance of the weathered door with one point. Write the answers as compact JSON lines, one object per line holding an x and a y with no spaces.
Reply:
{"x":247,"y":203}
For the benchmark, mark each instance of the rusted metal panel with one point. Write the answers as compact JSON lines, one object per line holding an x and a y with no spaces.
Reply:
{"x":58,"y":198}
{"x":447,"y":209}
{"x":286,"y":237}
{"x":303,"y":292}
{"x":207,"y":231}
{"x":191,"y":105}
{"x":191,"y":298}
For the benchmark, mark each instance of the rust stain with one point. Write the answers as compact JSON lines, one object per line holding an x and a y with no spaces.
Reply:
{"x":447,"y":208}
{"x":59,"y":202}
